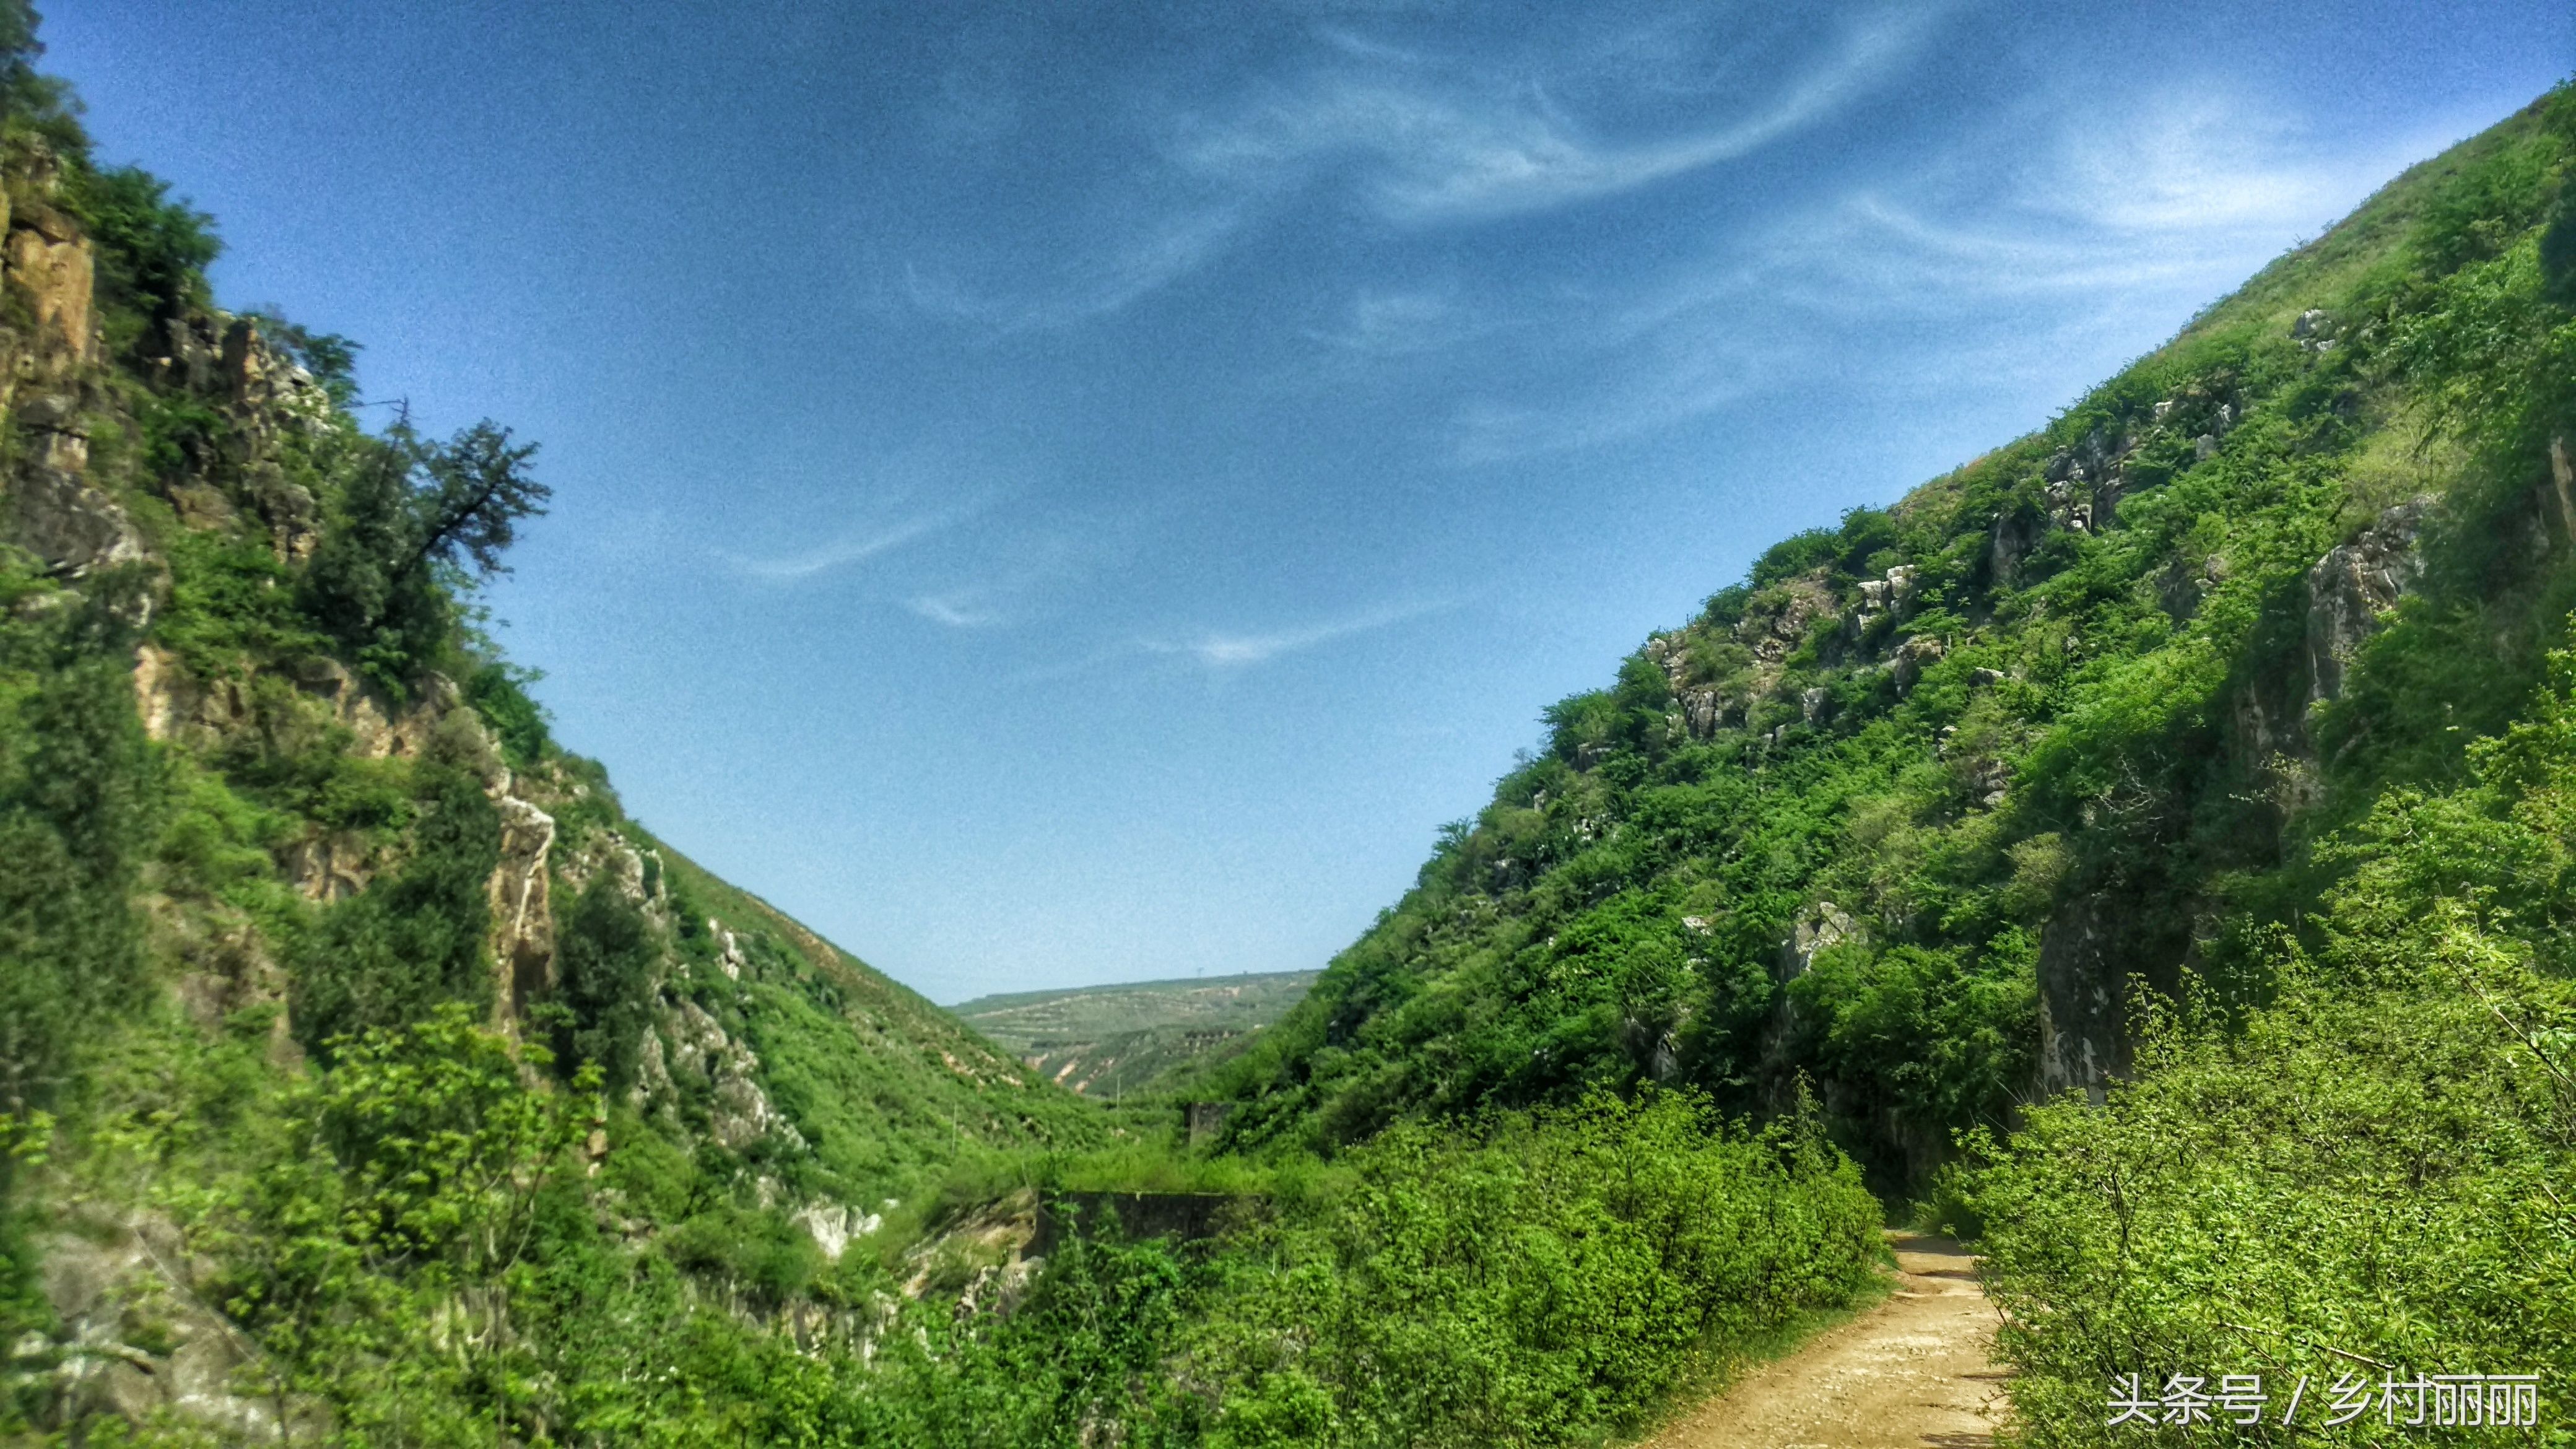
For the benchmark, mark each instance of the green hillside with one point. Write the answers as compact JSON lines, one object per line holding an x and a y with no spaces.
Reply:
{"x":1107,"y":1041}
{"x":2195,"y":766}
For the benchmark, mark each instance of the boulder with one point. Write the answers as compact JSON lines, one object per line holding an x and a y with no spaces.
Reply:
{"x":1911,"y":656}
{"x":1826,"y":925}
{"x":2354,"y":586}
{"x":73,"y":527}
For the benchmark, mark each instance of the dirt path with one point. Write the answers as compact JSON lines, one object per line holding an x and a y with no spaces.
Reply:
{"x":1908,"y":1373}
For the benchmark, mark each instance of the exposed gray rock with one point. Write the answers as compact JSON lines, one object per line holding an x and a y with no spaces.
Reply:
{"x":1671,"y":653}
{"x":1781,"y":623}
{"x":330,"y":865}
{"x":2354,"y":586}
{"x":1827,"y":925}
{"x":1703,"y":710}
{"x":106,"y":1275}
{"x":2083,"y":1039}
{"x":73,"y":527}
{"x":1890,"y":594}
{"x":2015,"y":533}
{"x":832,"y":1226}
{"x":1910,"y":658}
{"x":741,"y":1113}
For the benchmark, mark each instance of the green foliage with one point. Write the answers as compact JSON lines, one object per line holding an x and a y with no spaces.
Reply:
{"x":409,"y":519}
{"x":1490,"y":1182}
{"x":1536,"y":1283}
{"x":387,"y":1228}
{"x":499,"y":693}
{"x":34,"y":105}
{"x":1822,"y":830}
{"x":78,"y":797}
{"x":331,"y":358}
{"x":152,"y":251}
{"x":394,"y":953}
{"x":605,"y":955}
{"x":2375,"y":1171}
{"x":1927,"y":1035}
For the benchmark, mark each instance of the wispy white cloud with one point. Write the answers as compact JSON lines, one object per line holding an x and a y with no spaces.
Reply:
{"x":2120,"y":220}
{"x":855,"y":548}
{"x":1424,"y":139}
{"x":1395,"y":323}
{"x":966,"y":609}
{"x":1091,"y":284}
{"x":1481,"y":147}
{"x":1219,"y":649}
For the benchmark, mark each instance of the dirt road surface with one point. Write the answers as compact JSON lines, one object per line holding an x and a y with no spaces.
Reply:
{"x":1911,"y":1373}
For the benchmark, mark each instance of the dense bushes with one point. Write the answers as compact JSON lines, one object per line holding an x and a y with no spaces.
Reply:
{"x":605,"y":954}
{"x":78,"y":799}
{"x":2378,"y":1170}
{"x":153,"y":251}
{"x":1535,"y":1282}
{"x":389,"y":955}
{"x":412,"y":1239}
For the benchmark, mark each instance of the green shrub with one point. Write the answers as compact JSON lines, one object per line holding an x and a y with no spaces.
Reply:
{"x":1535,"y":1282}
{"x":499,"y":693}
{"x":390,"y":955}
{"x":2375,"y":1169}
{"x":152,"y":251}
{"x":79,"y":797}
{"x":605,"y":956}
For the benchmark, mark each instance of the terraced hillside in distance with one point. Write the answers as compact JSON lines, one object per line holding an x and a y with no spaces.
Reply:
{"x":1105,"y":1041}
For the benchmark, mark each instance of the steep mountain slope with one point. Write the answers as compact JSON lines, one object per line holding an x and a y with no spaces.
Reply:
{"x":2151,"y":838}
{"x":1106,"y":1041}
{"x":1905,"y":811}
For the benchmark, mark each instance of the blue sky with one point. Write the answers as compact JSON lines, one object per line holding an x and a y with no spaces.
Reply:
{"x":1066,"y":493}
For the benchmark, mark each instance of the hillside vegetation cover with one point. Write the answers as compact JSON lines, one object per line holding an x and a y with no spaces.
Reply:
{"x":368,"y":1077}
{"x":2168,"y":808}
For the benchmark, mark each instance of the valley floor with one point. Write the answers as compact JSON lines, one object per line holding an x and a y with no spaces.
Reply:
{"x":1911,"y":1372}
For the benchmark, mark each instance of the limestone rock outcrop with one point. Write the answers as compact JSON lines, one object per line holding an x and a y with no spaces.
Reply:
{"x":2354,"y":586}
{"x":523,"y":932}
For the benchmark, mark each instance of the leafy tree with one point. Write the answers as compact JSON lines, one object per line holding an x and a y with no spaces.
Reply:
{"x":382,"y":1238}
{"x":152,"y":251}
{"x":40,"y":104}
{"x":331,"y":358}
{"x":499,"y":692}
{"x":418,"y":512}
{"x":605,"y":951}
